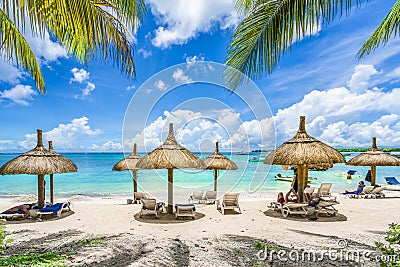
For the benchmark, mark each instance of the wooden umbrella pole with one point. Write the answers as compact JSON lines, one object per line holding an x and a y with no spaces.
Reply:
{"x":373,"y":175}
{"x":215,"y":179}
{"x":302,"y":177}
{"x":41,"y":190}
{"x":134,"y":181}
{"x":170,"y":191}
{"x":51,"y":189}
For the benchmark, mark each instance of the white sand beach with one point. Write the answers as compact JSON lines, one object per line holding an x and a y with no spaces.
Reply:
{"x":360,"y":222}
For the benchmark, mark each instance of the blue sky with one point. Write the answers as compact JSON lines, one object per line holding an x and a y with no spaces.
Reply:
{"x":346,"y":101}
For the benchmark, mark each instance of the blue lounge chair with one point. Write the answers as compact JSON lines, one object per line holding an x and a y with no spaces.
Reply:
{"x":55,"y":209}
{"x":392,"y":180}
{"x":351,"y":172}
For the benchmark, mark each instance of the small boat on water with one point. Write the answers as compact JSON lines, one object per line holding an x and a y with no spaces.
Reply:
{"x":290,"y":178}
{"x":349,"y":172}
{"x":257,"y":159}
{"x":242,"y":153}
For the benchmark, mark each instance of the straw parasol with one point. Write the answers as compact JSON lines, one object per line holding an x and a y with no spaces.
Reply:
{"x":129,"y":163}
{"x":39,"y":161}
{"x":217,"y":161}
{"x":170,"y":155}
{"x":304,"y":151}
{"x":374,"y":157}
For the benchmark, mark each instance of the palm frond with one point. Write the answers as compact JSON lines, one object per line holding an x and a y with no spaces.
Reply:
{"x":16,"y":49}
{"x":389,"y":27}
{"x":269,"y":29}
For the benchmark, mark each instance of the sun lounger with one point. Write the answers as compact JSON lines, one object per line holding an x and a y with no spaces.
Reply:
{"x":324,"y":192}
{"x":308,"y":193}
{"x":137,"y":196}
{"x":326,"y":207}
{"x":230,"y":201}
{"x":376,"y":192}
{"x":55,"y":209}
{"x":151,"y":206}
{"x":210,"y":197}
{"x":392,"y":181}
{"x":185,"y":210}
{"x":361,"y":192}
{"x":197,"y":196}
{"x":302,"y":209}
{"x":8,"y":215}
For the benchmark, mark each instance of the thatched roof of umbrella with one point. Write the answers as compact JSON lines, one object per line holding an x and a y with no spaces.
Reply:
{"x":128,"y":163}
{"x":170,"y":155}
{"x":374,"y":157}
{"x":217,"y":161}
{"x":38,"y":161}
{"x":304,"y":149}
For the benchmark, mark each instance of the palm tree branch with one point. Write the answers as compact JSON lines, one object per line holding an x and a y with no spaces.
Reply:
{"x":17,"y":49}
{"x":389,"y":27}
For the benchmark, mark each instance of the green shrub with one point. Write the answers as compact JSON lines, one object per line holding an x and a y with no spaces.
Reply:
{"x":390,"y":251}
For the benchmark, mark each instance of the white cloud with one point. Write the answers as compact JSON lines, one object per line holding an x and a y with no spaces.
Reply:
{"x":130,"y":87}
{"x":45,"y":48}
{"x":160,"y":85}
{"x":182,"y":20}
{"x":79,"y":75}
{"x":89,"y":88}
{"x":20,"y":94}
{"x":360,"y":79}
{"x":65,"y":136}
{"x":180,"y":77}
{"x":144,"y":53}
{"x":9,"y":73}
{"x":190,"y":60}
{"x":107,"y":147}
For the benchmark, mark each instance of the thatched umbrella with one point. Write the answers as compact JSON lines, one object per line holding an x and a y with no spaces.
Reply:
{"x":129,"y":163}
{"x":304,"y":151}
{"x":39,"y":161}
{"x":374,"y":157}
{"x":170,"y":155}
{"x":217,"y":161}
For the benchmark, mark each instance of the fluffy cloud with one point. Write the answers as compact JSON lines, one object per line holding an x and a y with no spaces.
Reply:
{"x":182,"y":20}
{"x":180,"y":77}
{"x":107,"y":147}
{"x":144,"y":53}
{"x":160,"y":85}
{"x":65,"y":136}
{"x":44,"y":48}
{"x":82,"y":76}
{"x":360,"y":79}
{"x":79,"y":75}
{"x":20,"y":94}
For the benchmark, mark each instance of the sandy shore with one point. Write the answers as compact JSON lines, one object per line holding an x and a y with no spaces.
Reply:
{"x":360,"y":223}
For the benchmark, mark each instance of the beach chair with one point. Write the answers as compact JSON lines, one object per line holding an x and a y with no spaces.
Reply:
{"x":210,"y":197}
{"x":137,"y":196}
{"x":308,"y":193}
{"x":55,"y":209}
{"x":327,"y":207}
{"x":302,"y":209}
{"x":197,"y":196}
{"x":150,"y":206}
{"x":324,"y":192}
{"x":392,"y":181}
{"x":360,"y":193}
{"x":185,"y":210}
{"x":8,"y":215}
{"x":230,"y":201}
{"x":376,"y":192}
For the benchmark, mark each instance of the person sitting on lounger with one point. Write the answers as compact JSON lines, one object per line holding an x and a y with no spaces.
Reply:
{"x":359,"y":189}
{"x":23,"y":208}
{"x":292,"y":196}
{"x":281,"y":198}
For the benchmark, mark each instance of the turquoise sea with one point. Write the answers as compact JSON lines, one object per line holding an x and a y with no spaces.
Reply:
{"x":252,"y":179}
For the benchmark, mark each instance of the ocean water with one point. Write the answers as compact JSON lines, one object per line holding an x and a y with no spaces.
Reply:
{"x":252,"y":179}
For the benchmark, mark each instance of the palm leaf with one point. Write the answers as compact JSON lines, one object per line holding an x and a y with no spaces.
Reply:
{"x":388,"y":28}
{"x":269,"y":28}
{"x":15,"y":48}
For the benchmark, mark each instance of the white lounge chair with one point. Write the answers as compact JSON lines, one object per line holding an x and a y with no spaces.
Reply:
{"x":230,"y":201}
{"x":376,"y":192}
{"x":150,"y":206}
{"x":210,"y":197}
{"x":197,"y":196}
{"x":324,"y":192}
{"x":137,"y":196}
{"x":11,"y":216}
{"x":364,"y":193}
{"x":308,"y":193}
{"x":185,"y":210}
{"x":326,"y":207}
{"x":55,"y":209}
{"x":292,"y":208}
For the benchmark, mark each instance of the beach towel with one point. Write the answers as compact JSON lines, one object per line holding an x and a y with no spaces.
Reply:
{"x":52,"y":208}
